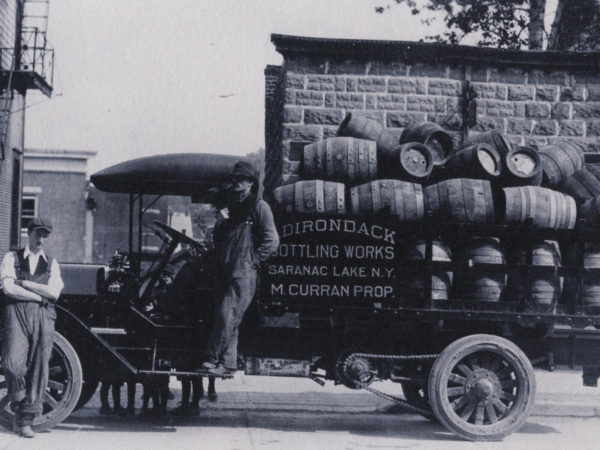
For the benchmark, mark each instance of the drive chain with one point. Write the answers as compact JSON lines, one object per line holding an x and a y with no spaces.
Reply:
{"x":402,"y":402}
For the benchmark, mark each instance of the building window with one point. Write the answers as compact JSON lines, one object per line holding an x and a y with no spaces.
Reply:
{"x":28,"y":211}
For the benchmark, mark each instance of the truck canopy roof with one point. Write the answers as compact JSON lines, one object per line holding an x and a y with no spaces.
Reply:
{"x":172,"y":174}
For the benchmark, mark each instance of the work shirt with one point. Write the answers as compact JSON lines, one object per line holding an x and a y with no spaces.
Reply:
{"x":247,"y":238}
{"x":7,"y":270}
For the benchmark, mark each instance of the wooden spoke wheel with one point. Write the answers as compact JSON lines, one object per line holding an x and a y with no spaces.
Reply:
{"x":62,"y":393}
{"x":482,"y":387}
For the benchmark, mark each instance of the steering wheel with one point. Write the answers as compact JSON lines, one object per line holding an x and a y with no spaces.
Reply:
{"x":180,"y":237}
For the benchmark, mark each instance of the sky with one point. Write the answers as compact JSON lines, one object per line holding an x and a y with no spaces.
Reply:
{"x":142,"y":77}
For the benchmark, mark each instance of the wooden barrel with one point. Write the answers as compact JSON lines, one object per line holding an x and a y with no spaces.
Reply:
{"x":544,"y":290}
{"x":461,"y":199}
{"x":433,"y":136}
{"x":584,"y":184}
{"x":523,"y":167}
{"x":474,"y":285}
{"x":591,"y":282}
{"x":546,"y":208}
{"x":398,"y":198}
{"x":559,"y":162}
{"x":344,"y":159}
{"x":590,"y":211}
{"x":311,"y":196}
{"x":441,"y":282}
{"x":364,"y":128}
{"x":475,"y":161}
{"x":411,"y":162}
{"x":494,"y":139}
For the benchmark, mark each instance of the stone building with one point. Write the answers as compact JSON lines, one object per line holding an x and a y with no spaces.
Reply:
{"x":533,"y":97}
{"x":55,"y":186}
{"x":25,"y":63}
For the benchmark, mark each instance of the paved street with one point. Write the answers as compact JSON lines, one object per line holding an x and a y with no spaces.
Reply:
{"x":271,"y":413}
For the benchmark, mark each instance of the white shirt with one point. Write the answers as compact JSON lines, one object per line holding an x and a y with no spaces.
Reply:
{"x":7,"y":269}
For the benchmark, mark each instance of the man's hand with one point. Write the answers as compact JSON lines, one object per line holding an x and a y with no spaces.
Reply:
{"x":224,"y":213}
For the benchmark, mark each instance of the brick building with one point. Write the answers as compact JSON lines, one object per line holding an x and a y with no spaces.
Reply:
{"x":25,"y":63}
{"x":533,"y":97}
{"x":55,"y":186}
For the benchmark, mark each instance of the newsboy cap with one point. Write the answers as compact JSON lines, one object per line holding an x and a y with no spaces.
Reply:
{"x":40,"y":223}
{"x":245,"y":169}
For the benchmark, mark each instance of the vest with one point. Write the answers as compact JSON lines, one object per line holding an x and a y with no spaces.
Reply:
{"x":42,"y":271}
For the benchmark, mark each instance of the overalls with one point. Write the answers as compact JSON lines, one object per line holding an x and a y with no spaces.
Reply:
{"x":235,"y":280}
{"x":29,"y":337}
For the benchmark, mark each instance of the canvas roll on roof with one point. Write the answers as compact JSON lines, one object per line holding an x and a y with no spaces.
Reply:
{"x":172,"y":174}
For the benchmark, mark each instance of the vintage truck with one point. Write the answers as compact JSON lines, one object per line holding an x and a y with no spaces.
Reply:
{"x":331,"y":305}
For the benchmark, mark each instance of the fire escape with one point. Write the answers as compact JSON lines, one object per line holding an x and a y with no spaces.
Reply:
{"x":27,"y":65}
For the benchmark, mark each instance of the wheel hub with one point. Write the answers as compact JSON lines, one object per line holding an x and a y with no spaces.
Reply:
{"x":483,"y":386}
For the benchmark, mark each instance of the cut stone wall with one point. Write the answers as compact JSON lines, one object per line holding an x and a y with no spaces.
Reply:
{"x":534,"y":98}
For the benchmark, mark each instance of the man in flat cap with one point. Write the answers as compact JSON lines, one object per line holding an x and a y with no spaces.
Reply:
{"x":31,"y":284}
{"x":244,"y":237}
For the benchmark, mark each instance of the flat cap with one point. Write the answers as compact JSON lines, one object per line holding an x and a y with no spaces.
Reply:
{"x":245,"y":169}
{"x":40,"y":223}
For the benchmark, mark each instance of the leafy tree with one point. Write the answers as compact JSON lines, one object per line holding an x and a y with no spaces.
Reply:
{"x":497,"y":23}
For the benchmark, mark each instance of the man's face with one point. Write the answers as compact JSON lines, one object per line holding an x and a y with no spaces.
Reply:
{"x":37,"y":238}
{"x":239,"y":188}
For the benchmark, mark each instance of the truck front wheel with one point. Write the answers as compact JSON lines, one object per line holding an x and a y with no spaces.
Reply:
{"x":62,"y":393}
{"x":482,"y":387}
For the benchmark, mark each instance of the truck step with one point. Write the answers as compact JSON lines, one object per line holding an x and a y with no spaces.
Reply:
{"x":106,"y":331}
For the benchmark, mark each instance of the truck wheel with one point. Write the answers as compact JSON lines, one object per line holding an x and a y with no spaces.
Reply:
{"x":62,"y":393}
{"x":482,"y":387}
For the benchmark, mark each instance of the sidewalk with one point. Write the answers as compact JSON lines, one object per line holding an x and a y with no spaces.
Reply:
{"x":558,"y":394}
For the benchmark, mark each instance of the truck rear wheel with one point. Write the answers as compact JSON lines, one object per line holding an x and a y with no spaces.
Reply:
{"x":482,"y":387}
{"x":62,"y":393}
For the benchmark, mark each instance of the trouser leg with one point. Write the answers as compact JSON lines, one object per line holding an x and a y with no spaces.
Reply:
{"x":42,"y":342}
{"x":15,"y":350}
{"x":239,"y":291}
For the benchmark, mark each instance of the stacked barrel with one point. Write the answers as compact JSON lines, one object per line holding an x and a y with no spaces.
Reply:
{"x":419,"y":175}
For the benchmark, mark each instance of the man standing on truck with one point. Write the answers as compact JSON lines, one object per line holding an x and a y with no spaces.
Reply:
{"x":31,"y":284}
{"x":244,"y":237}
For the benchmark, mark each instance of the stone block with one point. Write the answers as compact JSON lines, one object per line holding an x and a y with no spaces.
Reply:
{"x":323,"y":116}
{"x":329,"y":132}
{"x":448,"y":88}
{"x":305,"y":98}
{"x":593,"y":93}
{"x":393,"y":68}
{"x":351,"y":84}
{"x":537,"y":110}
{"x":501,"y":92}
{"x":506,"y":75}
{"x":587,"y":110}
{"x":562,"y":111}
{"x":290,"y":96}
{"x":321,"y":83}
{"x":425,"y":103}
{"x":572,"y":128}
{"x":427,"y":70}
{"x":391,"y":101}
{"x":371,"y":84}
{"x":294,"y":81}
{"x":545,"y":128}
{"x":485,"y":90}
{"x":586,"y":77}
{"x":403,"y":119}
{"x":485,"y":123}
{"x":350,"y":66}
{"x":308,"y":133}
{"x":546,"y":93}
{"x":372,"y":115}
{"x":572,"y":94}
{"x":330,"y":100}
{"x":479,"y":74}
{"x":304,"y":64}
{"x":292,"y":114}
{"x":593,"y":128}
{"x":536,"y":142}
{"x":521,"y":92}
{"x":407,"y":86}
{"x":350,"y":101}
{"x":371,"y":101}
{"x":498,"y":108}
{"x":548,"y":77}
{"x":518,"y":126}
{"x":514,"y":140}
{"x":519,"y":109}
{"x":447,"y":121}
